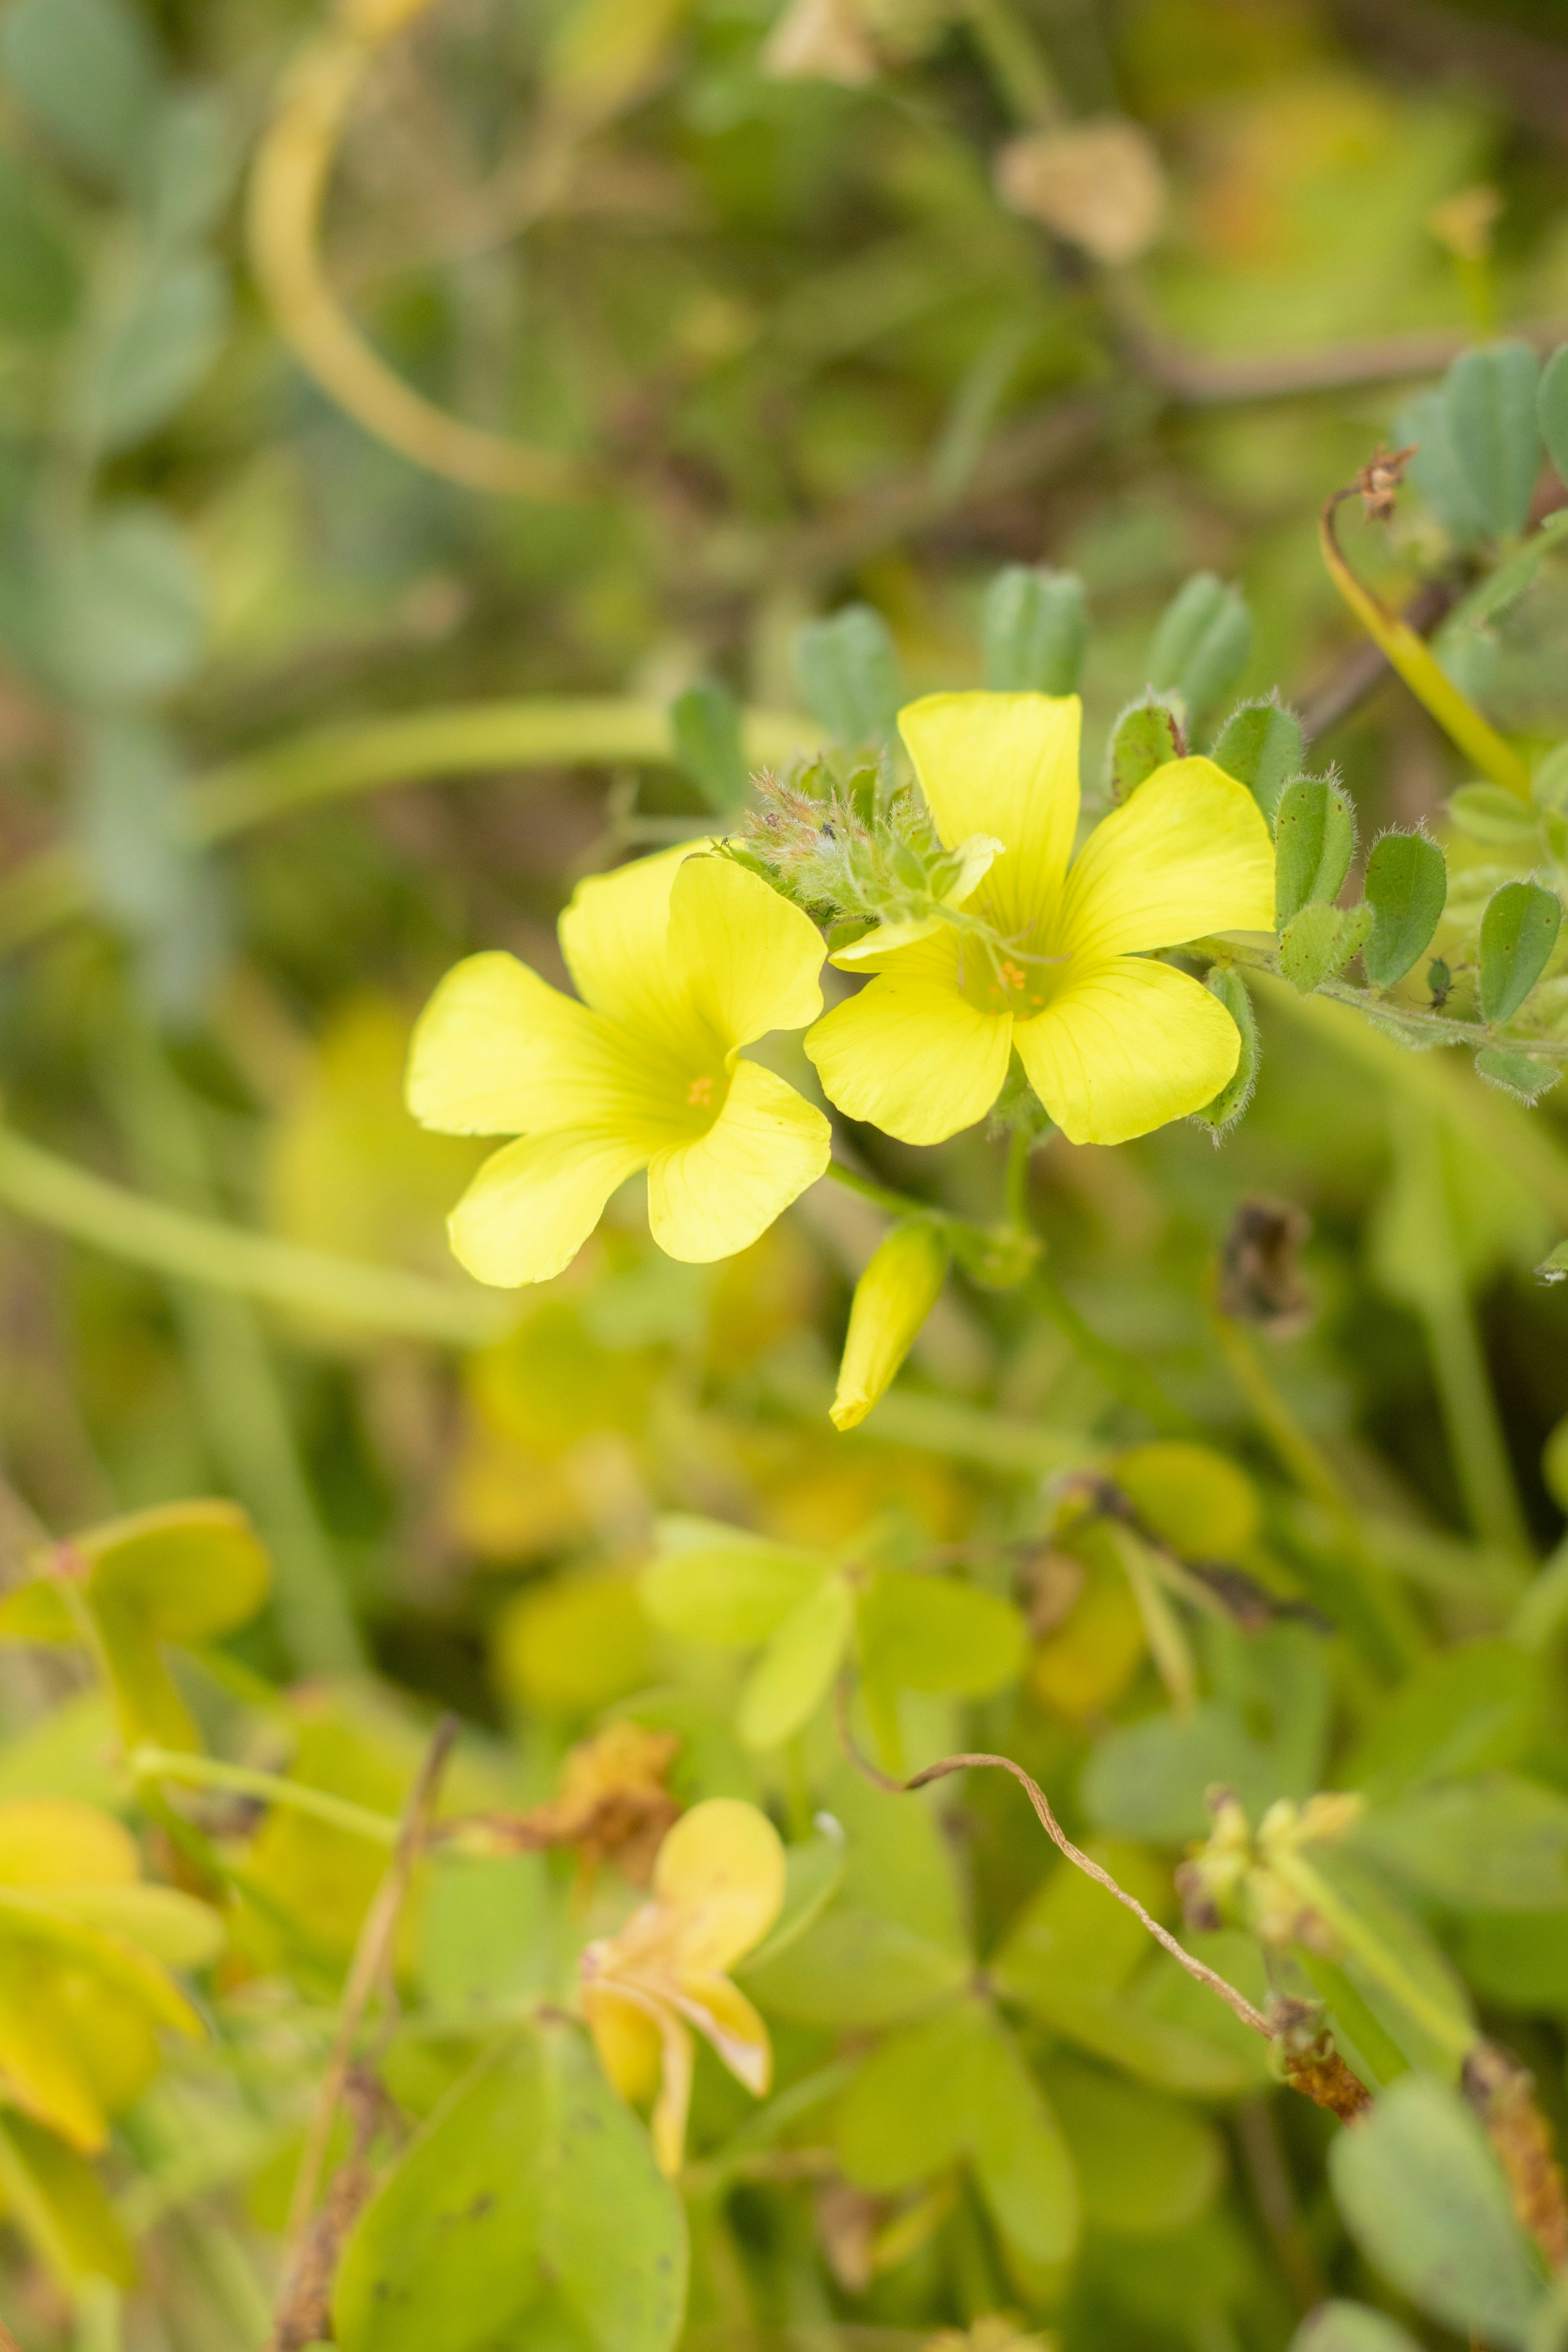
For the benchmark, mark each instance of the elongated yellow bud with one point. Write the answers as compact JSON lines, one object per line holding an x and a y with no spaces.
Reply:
{"x":892,"y":1300}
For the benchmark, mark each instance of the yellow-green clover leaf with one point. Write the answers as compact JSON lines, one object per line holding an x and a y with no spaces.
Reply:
{"x":1112,"y":1043}
{"x":680,"y":959}
{"x":181,"y":1573}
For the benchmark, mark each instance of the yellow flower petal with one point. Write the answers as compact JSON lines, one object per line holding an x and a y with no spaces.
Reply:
{"x":532,"y":1206}
{"x":615,"y":936}
{"x":673,"y":2101}
{"x":1004,"y":764}
{"x":910,"y":1052}
{"x":747,"y":959}
{"x":724,"y":2017}
{"x":498,"y":1051}
{"x":712,"y":1196}
{"x":721,"y":1870}
{"x":1189,"y":853}
{"x":1125,"y":1048}
{"x":626,"y":2038}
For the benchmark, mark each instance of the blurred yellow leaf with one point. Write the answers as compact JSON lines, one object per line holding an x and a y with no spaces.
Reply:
{"x":570,"y":1646}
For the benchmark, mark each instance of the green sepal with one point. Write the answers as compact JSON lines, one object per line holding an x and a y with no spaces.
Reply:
{"x":1202,"y":644}
{"x":1314,"y":841}
{"x":1236,"y":1093}
{"x":1519,"y":931}
{"x":1145,"y":737}
{"x":1319,"y":941}
{"x":1034,"y":628}
{"x":1262,"y":745}
{"x":847,"y":671}
{"x":1406,"y":889}
{"x":706,"y":724}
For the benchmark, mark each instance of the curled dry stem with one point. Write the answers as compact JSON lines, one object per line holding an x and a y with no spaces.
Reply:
{"x":314,"y":2244}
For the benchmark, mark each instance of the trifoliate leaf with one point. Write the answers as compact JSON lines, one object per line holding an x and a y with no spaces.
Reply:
{"x":1202,"y":644}
{"x":1496,"y":435}
{"x":1520,"y":1075}
{"x":1261,"y":746}
{"x":1319,"y":941}
{"x":847,"y":671}
{"x":1144,"y":737}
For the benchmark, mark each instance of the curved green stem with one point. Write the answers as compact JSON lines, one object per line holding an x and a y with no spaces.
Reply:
{"x":53,"y":1192}
{"x":1409,"y":655}
{"x":148,"y":1763}
{"x":332,"y":762}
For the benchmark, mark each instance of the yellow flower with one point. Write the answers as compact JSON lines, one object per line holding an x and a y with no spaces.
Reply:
{"x":1112,"y":1043}
{"x":681,"y":961}
{"x":716,"y":1887}
{"x":892,"y":1298}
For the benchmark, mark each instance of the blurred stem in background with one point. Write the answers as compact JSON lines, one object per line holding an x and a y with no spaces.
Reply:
{"x":238,"y":1389}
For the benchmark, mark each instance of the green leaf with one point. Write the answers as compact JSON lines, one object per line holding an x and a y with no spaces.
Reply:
{"x":1436,"y":471}
{"x":1490,"y":812}
{"x":153,"y":353}
{"x":490,"y":2234}
{"x":1314,"y":841}
{"x":1495,"y":432}
{"x":706,"y":724}
{"x":1194,"y":1498}
{"x":1520,"y":1074}
{"x":796,"y":1669}
{"x":813,"y":1873}
{"x":906,"y":2116}
{"x":1202,"y":644}
{"x":1021,"y":2160}
{"x":1222,"y":1114}
{"x":1519,"y":931}
{"x":58,"y":2203}
{"x":848,"y":672}
{"x":1145,"y":738}
{"x":1552,"y":409}
{"x":1518,"y":1959}
{"x":1423,"y":1962}
{"x":932,"y":1634}
{"x":1423,"y":2197}
{"x":1319,"y":941}
{"x":1406,"y":889}
{"x":729,"y":1591}
{"x":1261,"y":745}
{"x":1496,"y":1842}
{"x":1349,"y":2327}
{"x":1460,"y":1711}
{"x":487,"y":1933}
{"x":1074,"y":1936}
{"x":127,"y":610}
{"x":38,"y":281}
{"x":1034,"y":628}
{"x":89,"y":75}
{"x":1144,"y":2164}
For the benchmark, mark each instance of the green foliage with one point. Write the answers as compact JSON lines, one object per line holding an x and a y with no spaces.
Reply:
{"x":706,"y":724}
{"x":1314,"y":841}
{"x":1553,"y":408}
{"x":1519,"y":931}
{"x":1144,"y":737}
{"x":848,"y":672}
{"x":1232,"y":1100}
{"x":1406,"y":888}
{"x":1033,"y":626}
{"x":487,"y":2228}
{"x":1423,"y":2197}
{"x":1491,"y":401}
{"x":1202,"y":644}
{"x":1261,"y":745}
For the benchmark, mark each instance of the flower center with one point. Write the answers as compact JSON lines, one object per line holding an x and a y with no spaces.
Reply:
{"x":700,"y":1093}
{"x":702,"y":1097}
{"x":1016,"y":978}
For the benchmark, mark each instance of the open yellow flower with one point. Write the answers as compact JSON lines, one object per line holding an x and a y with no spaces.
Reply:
{"x":716,"y":1887}
{"x":1112,"y":1043}
{"x":681,"y":961}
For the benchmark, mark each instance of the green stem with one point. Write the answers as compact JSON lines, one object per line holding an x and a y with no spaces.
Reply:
{"x":1395,"y":1627}
{"x":55,"y":1192}
{"x":234,"y":1378}
{"x":336,"y":762}
{"x":1422,"y":1026}
{"x":1541,"y":1614}
{"x":1471,"y":1416}
{"x":1016,"y":1195}
{"x":897,"y":1204}
{"x":1122,"y":1374}
{"x":1013,"y":54}
{"x":148,"y":1763}
{"x":1361,"y":1944}
{"x":1410,"y":655}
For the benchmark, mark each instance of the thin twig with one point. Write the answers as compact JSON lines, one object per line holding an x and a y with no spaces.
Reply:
{"x":371,"y":1969}
{"x":1234,"y":2001}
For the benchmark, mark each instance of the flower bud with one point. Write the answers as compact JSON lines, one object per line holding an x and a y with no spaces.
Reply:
{"x":892,"y":1300}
